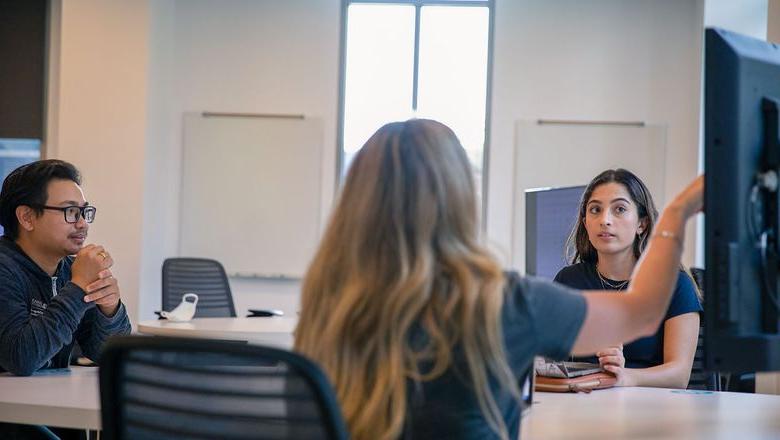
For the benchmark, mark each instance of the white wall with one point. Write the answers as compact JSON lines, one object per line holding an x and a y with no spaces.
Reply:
{"x":597,"y":60}
{"x":563,"y":59}
{"x":244,"y":56}
{"x":122,"y":74}
{"x":97,"y":120}
{"x":161,"y":167}
{"x":747,"y":17}
{"x":128,"y":70}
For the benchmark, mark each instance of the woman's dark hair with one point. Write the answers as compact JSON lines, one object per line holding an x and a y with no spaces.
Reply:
{"x":578,"y":246}
{"x":27,"y":185}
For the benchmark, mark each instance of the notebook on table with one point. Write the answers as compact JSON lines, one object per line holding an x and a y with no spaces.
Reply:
{"x":564,"y":377}
{"x":565,"y":369}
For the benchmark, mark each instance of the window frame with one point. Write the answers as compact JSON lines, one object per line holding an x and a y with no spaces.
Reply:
{"x":419,"y":4}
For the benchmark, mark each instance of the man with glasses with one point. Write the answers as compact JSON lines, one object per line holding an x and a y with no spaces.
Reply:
{"x":54,"y":289}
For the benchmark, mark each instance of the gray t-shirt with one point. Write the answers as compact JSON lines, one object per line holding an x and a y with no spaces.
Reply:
{"x":538,"y":318}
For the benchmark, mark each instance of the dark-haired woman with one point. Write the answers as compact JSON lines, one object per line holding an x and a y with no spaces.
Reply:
{"x":615,"y":219}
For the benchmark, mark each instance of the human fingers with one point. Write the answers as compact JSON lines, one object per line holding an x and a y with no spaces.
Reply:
{"x":611,"y":360}
{"x":85,"y":250}
{"x":108,"y":300}
{"x":611,"y":351}
{"x":623,"y":376}
{"x":99,"y":296}
{"x":99,"y":284}
{"x":614,"y":369}
{"x":619,"y":372}
{"x":94,"y":249}
{"x":697,"y":193}
{"x":103,"y":257}
{"x":108,"y":260}
{"x":86,"y":266}
{"x":692,"y":197}
{"x":107,"y":286}
{"x":95,"y":256}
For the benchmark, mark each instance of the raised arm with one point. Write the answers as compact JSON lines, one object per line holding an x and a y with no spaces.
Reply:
{"x":613,"y":319}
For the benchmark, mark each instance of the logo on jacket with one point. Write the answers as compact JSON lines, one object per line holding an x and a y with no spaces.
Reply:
{"x":37,"y":307}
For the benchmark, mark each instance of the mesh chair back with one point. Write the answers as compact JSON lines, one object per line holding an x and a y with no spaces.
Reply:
{"x":700,"y":378}
{"x":202,"y":276}
{"x":171,"y":388}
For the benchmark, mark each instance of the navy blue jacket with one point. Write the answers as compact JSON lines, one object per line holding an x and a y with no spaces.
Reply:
{"x":41,"y":316}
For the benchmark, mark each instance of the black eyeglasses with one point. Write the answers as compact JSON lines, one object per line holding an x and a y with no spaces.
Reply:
{"x":74,"y":213}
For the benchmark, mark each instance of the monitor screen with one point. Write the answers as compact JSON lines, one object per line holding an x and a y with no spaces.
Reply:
{"x":742,"y":160}
{"x":550,"y":214}
{"x":15,"y":153}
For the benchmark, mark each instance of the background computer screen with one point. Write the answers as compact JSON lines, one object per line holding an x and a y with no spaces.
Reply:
{"x":15,"y":153}
{"x":550,"y":214}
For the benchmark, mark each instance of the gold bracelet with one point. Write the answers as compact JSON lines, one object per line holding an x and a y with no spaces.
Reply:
{"x":668,"y":234}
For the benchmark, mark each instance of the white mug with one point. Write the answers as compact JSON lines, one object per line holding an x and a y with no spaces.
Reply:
{"x":184,"y":311}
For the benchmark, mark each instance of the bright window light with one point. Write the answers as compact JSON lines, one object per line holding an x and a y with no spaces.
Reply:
{"x":379,"y":71}
{"x":451,"y":71}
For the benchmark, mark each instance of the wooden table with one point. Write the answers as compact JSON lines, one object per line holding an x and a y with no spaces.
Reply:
{"x":274,"y":331}
{"x":652,"y":413}
{"x":66,"y":399}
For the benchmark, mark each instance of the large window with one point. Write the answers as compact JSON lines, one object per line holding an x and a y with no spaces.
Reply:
{"x":416,"y":58}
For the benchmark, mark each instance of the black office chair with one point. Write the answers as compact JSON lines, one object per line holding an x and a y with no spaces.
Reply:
{"x":202,"y":276}
{"x":172,"y":388}
{"x":700,"y":378}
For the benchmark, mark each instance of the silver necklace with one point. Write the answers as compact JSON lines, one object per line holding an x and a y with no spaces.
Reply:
{"x":607,"y":284}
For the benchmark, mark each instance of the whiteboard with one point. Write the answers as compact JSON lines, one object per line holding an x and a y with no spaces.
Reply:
{"x":559,"y":155}
{"x":250,"y":192}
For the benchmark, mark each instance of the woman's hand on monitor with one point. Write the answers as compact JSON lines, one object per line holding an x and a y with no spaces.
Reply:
{"x":691,"y":199}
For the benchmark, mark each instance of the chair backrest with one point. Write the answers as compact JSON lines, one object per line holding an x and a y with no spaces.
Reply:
{"x":202,"y":276}
{"x":700,"y":378}
{"x":171,"y":388}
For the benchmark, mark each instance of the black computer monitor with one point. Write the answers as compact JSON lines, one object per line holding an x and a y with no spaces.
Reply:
{"x":742,"y":162}
{"x":550,"y":214}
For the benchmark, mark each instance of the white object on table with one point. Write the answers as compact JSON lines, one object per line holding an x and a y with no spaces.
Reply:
{"x":274,"y":331}
{"x":66,"y":399}
{"x":184,"y":311}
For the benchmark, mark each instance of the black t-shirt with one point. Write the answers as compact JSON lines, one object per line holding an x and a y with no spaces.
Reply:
{"x":644,"y":352}
{"x":538,"y":318}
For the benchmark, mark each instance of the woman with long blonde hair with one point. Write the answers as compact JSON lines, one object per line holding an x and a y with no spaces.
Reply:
{"x":420,"y":331}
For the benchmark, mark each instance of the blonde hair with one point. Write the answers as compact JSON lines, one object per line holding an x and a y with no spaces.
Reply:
{"x":400,"y":251}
